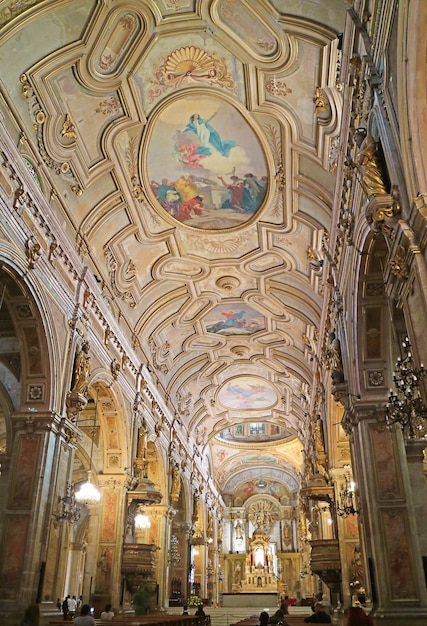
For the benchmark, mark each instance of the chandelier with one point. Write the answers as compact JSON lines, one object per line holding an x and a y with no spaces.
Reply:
{"x":68,"y":509}
{"x":405,"y":405}
{"x":88,"y":492}
{"x":347,"y":498}
{"x":305,"y":570}
{"x":174,"y":556}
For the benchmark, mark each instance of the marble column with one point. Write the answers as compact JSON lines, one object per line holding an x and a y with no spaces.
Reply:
{"x":388,"y":516}
{"x":110,"y":536}
{"x":41,"y":458}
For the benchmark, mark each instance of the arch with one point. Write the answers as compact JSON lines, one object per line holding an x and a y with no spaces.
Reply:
{"x":414,"y":110}
{"x":372,"y":321}
{"x":34,"y":339}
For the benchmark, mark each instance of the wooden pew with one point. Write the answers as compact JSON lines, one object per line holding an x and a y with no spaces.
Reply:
{"x":154,"y":619}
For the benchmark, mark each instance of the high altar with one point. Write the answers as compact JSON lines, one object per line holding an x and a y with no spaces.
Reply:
{"x":260,"y":564}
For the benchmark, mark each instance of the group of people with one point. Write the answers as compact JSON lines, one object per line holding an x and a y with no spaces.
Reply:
{"x":182,"y":198}
{"x":69,"y":606}
{"x":355,"y":616}
{"x":32,"y":614}
{"x":200,"y":612}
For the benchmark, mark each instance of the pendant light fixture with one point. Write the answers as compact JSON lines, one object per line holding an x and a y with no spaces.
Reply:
{"x":88,"y":492}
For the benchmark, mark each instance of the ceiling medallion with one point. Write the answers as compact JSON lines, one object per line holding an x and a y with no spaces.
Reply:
{"x":227,"y":283}
{"x":240,"y":351}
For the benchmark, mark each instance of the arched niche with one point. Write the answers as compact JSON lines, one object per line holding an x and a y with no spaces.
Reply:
{"x":25,"y":346}
{"x":372,"y":322}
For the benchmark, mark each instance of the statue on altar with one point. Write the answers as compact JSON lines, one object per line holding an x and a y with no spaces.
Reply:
{"x":261,"y":514}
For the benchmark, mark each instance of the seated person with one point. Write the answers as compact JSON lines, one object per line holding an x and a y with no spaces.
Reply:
{"x":107,"y":613}
{"x":263,"y":618}
{"x":278,"y":618}
{"x":319,"y":616}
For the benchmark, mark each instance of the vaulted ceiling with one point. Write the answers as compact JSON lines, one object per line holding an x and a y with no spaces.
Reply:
{"x":206,"y":231}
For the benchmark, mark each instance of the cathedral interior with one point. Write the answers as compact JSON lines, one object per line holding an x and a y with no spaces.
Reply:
{"x":211,"y":376}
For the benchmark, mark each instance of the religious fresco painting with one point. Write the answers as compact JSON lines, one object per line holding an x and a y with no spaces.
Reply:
{"x":234,"y":319}
{"x":206,"y":165}
{"x":247,"y":392}
{"x":252,"y":487}
{"x":259,"y":458}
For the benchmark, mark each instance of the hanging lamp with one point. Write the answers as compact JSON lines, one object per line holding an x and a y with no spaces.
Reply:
{"x":88,"y":493}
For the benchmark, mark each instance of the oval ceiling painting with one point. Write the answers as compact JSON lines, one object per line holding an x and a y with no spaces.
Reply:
{"x":247,"y":393}
{"x":206,"y":165}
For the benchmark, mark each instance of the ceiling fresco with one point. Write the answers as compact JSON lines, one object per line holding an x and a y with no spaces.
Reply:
{"x":190,"y":157}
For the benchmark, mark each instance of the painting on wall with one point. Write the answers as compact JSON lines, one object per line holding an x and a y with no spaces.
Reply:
{"x":234,"y":319}
{"x":205,"y":164}
{"x":247,"y":392}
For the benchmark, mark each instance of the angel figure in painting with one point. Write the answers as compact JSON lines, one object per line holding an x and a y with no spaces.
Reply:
{"x":208,"y":137}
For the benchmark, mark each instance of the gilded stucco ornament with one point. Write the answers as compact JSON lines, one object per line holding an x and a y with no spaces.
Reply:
{"x":398,"y":265}
{"x":33,"y":251}
{"x":39,"y":120}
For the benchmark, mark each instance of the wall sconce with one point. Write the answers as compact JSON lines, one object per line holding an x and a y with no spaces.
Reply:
{"x":405,"y":406}
{"x":68,"y":509}
{"x":347,"y":499}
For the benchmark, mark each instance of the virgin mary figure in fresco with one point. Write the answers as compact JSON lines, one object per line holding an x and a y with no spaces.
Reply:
{"x":208,"y":137}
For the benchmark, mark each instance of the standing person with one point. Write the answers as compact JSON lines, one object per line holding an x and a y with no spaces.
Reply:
{"x":85,"y":618}
{"x":356,"y":616}
{"x":107,"y":613}
{"x":31,"y":616}
{"x":58,"y":604}
{"x":200,"y":612}
{"x":72,"y":606}
{"x":65,"y":607}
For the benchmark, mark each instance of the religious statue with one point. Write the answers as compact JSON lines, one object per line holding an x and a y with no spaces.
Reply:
{"x":319,"y":436}
{"x":104,"y":570}
{"x":370,"y":164}
{"x":176,"y":484}
{"x":209,"y":529}
{"x":357,"y":570}
{"x":335,"y":359}
{"x":239,"y":530}
{"x":33,"y":249}
{"x":82,"y":370}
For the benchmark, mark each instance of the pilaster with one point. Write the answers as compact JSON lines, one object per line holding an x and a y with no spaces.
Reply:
{"x":40,"y":464}
{"x":389,"y":520}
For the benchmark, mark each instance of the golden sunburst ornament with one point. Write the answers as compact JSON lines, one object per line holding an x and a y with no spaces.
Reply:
{"x":190,"y":61}
{"x":187,"y":65}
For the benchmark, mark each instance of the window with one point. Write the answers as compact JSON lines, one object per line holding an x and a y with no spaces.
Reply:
{"x":257,"y":428}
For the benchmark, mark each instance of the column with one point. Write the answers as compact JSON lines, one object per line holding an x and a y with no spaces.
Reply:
{"x":109,"y":513}
{"x":40,"y":465}
{"x":388,"y":516}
